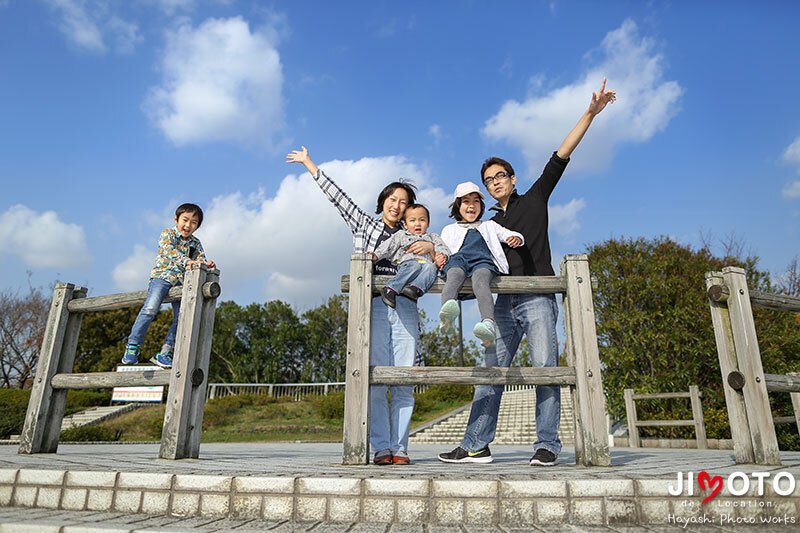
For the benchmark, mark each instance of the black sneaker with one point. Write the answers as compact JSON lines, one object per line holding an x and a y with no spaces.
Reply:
{"x":389,"y":297}
{"x":543,"y":457}
{"x":411,"y":292}
{"x":460,"y":455}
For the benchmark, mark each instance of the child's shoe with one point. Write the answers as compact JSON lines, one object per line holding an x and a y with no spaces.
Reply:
{"x":411,"y":292}
{"x":485,"y":331}
{"x":447,"y":316}
{"x":162,"y":359}
{"x":131,"y":356}
{"x":389,"y":297}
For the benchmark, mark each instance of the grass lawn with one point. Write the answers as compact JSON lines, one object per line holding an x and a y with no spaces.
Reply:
{"x":254,"y":418}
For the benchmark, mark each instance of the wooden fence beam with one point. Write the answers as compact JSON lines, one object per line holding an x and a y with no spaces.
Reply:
{"x":748,"y":355}
{"x":409,"y":375}
{"x":634,"y":441}
{"x":355,"y":438}
{"x":591,"y":447}
{"x":726,"y":351}
{"x":105,"y":380}
{"x":41,"y":430}
{"x":499,"y":285}
{"x":697,"y":415}
{"x":177,"y":429}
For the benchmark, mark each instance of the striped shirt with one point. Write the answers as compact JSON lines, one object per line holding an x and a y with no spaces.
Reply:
{"x":173,"y":253}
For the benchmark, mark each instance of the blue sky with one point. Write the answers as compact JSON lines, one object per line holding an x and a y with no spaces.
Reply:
{"x":115,"y":112}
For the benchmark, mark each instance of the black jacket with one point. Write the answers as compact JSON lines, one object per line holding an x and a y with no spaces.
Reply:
{"x":527,"y":214}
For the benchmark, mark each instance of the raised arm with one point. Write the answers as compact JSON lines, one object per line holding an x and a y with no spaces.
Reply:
{"x":301,"y":156}
{"x":356,"y":218}
{"x":599,"y":101}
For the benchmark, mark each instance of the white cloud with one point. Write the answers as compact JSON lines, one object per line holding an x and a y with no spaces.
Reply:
{"x":294,"y":245}
{"x":42,"y":239}
{"x":792,"y":154}
{"x":89,"y":24}
{"x":646,"y":104}
{"x":792,"y":190}
{"x":435,"y":131}
{"x":221,"y":82}
{"x":564,"y":218}
{"x":133,"y":272}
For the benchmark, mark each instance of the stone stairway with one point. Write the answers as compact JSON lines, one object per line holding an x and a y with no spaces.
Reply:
{"x":96,"y":415}
{"x":516,"y":423}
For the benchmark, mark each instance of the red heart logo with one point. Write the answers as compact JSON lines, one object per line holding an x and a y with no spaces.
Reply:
{"x":707,"y":482}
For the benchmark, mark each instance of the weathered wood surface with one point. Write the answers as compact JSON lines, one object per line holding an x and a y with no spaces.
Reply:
{"x":36,"y":434}
{"x":199,"y":375}
{"x":782,"y":382}
{"x":661,"y":395}
{"x":100,"y":380}
{"x":500,"y":285}
{"x":748,"y":355}
{"x":355,"y":431}
{"x":663,"y":423}
{"x":768,"y":300}
{"x":784,"y":420}
{"x":404,"y":375}
{"x":726,"y":351}
{"x":796,"y":402}
{"x":589,"y":397}
{"x":634,"y":441}
{"x":697,"y":415}
{"x":176,"y":416}
{"x":118,"y":301}
{"x":124,"y":300}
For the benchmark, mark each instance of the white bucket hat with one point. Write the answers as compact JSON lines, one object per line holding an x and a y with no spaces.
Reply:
{"x":466,"y":188}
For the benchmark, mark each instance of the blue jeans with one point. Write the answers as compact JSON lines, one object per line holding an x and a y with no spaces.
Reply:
{"x":412,"y":272}
{"x":394,"y":338}
{"x":516,"y":315}
{"x":156,"y":292}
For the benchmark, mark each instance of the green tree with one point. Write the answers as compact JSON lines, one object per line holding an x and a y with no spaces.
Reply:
{"x":655,"y":331}
{"x":103,"y":335}
{"x":325,"y":350}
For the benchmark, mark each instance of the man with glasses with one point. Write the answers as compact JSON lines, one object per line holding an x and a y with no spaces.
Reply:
{"x":516,"y":315}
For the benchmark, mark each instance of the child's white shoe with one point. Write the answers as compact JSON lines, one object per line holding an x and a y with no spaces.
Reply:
{"x":485,"y":331}
{"x":447,"y":316}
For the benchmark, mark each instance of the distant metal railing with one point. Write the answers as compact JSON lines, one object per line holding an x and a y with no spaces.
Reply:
{"x":297,"y":391}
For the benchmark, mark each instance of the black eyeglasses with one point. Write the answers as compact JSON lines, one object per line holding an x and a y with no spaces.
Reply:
{"x":488,"y":180}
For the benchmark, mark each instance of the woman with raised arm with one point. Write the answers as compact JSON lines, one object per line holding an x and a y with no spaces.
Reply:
{"x":395,"y":332}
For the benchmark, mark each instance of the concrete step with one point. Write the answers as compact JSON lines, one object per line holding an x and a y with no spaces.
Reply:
{"x":516,"y":424}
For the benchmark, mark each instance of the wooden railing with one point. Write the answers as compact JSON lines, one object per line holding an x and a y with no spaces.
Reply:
{"x":582,"y":374}
{"x":745,"y":384}
{"x":183,"y":419}
{"x":634,"y":423}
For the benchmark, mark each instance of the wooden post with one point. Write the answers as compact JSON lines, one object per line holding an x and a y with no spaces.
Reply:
{"x":590,"y":401}
{"x":183,"y":419}
{"x":697,"y":416}
{"x":748,"y":355}
{"x":356,"y":396}
{"x":795,"y":402}
{"x":734,"y":399}
{"x":46,"y":406}
{"x":630,"y":409}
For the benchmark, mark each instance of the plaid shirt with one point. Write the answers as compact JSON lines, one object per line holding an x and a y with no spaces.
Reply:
{"x":173,"y":253}
{"x":366,"y":230}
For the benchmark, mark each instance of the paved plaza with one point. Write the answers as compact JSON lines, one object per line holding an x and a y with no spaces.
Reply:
{"x":304,"y":487}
